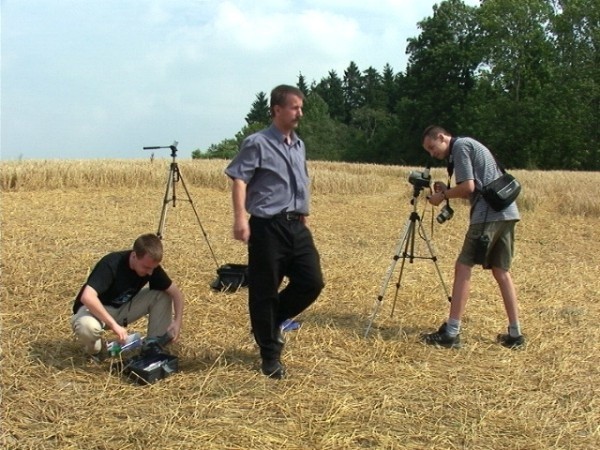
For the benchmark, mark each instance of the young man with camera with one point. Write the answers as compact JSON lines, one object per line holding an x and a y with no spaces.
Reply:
{"x":114,"y":296}
{"x":489,"y":240}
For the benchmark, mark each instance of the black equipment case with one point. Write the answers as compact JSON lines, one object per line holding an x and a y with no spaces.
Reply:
{"x":149,"y":368}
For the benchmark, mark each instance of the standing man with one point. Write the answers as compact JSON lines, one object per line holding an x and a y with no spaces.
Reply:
{"x":113,"y":298}
{"x":271,"y":183}
{"x":475,"y":167}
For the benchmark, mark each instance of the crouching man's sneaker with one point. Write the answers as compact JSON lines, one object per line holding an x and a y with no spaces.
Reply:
{"x":508,"y":341}
{"x":441,"y":338}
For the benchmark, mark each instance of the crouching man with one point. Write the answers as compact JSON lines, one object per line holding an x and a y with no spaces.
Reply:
{"x":115,"y":295}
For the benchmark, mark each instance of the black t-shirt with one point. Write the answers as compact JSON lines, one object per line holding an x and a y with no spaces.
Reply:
{"x":116,"y":283}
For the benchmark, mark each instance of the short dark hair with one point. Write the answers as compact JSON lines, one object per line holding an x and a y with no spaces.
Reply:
{"x":148,"y":244}
{"x":280,"y":94}
{"x":432,"y":132}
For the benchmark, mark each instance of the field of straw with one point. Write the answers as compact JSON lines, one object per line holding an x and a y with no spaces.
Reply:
{"x":344,"y":390}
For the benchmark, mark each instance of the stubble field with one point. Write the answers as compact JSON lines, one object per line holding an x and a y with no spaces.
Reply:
{"x":344,"y":390}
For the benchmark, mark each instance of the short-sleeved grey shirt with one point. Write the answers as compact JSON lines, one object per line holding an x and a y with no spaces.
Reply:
{"x":275,"y":173}
{"x":473,"y":161}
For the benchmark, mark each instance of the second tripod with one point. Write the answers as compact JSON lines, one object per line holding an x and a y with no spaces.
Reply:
{"x":174,"y":177}
{"x":405,"y":250}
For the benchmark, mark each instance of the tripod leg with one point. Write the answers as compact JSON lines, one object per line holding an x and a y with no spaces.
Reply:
{"x":175,"y":177}
{"x":180,"y":178}
{"x":434,"y":259}
{"x":166,"y":201}
{"x":402,"y":244}
{"x":410,"y":240}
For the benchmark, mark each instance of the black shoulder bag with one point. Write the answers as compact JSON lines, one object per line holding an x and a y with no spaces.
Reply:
{"x":501,"y":192}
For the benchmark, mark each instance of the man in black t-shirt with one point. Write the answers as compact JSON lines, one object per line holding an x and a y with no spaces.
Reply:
{"x":115,"y":295}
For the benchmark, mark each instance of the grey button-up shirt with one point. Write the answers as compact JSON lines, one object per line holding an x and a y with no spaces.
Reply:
{"x":275,"y":173}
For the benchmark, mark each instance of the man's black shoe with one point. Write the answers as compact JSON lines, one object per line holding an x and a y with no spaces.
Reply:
{"x":508,"y":341}
{"x":441,"y":338}
{"x":273,"y":369}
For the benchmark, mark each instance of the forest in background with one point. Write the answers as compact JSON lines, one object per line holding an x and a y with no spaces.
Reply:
{"x":522,"y":76}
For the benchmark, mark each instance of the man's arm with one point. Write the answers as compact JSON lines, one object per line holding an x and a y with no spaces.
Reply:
{"x":177,"y":298}
{"x":241,"y":228}
{"x":461,"y":190}
{"x":89,"y":297}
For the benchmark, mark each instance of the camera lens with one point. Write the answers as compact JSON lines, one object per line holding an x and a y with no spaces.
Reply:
{"x":445,"y":214}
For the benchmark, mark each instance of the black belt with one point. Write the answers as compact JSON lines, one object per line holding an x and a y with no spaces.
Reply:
{"x":289,"y":216}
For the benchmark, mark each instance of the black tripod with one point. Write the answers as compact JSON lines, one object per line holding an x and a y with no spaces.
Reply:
{"x":406,"y":250}
{"x":174,"y":177}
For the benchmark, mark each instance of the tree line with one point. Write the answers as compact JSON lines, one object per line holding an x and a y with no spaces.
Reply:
{"x":522,"y":76}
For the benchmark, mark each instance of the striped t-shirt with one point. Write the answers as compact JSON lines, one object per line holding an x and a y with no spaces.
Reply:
{"x":473,"y":161}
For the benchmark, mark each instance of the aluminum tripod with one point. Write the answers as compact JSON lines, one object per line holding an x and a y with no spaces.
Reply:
{"x":175,"y":177}
{"x":406,"y":250}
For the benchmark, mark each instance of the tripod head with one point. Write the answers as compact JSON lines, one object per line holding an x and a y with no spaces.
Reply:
{"x":173,"y":148}
{"x":416,"y":192}
{"x":419,"y":181}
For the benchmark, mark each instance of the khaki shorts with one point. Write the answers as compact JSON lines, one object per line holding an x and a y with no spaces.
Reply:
{"x":501,"y":247}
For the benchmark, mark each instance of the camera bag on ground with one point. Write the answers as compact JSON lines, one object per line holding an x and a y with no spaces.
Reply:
{"x":153,"y":363}
{"x":502,"y":191}
{"x":230,"y":278}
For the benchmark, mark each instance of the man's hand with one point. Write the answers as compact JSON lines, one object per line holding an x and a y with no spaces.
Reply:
{"x":437,"y":198}
{"x":241,"y":229}
{"x":174,"y":330}
{"x":178,"y":302}
{"x":89,"y":297}
{"x":120,"y":332}
{"x":439,"y":189}
{"x":439,"y":186}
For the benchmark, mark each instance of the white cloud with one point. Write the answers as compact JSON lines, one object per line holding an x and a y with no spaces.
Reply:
{"x":156,"y":14}
{"x":329,"y":34}
{"x":95,"y":78}
{"x":247,"y":30}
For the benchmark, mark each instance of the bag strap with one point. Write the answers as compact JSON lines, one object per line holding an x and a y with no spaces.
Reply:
{"x":479,"y":197}
{"x":450,"y":170}
{"x":487,"y":210}
{"x":450,"y":165}
{"x":498,"y":163}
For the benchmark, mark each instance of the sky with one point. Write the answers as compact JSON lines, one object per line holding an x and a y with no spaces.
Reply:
{"x":102,"y":79}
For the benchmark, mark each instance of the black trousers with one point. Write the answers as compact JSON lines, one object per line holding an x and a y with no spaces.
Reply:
{"x":280,"y":248}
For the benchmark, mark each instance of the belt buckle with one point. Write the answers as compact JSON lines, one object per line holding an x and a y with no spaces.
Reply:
{"x":290,"y":216}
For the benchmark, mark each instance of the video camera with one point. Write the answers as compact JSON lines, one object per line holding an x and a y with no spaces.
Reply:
{"x":420,"y":179}
{"x":173,"y":148}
